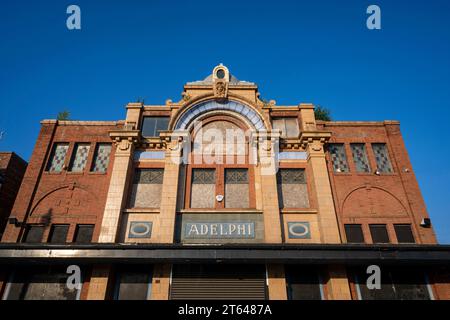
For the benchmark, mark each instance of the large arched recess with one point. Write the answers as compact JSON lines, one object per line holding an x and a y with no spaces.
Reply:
{"x":242,"y":110}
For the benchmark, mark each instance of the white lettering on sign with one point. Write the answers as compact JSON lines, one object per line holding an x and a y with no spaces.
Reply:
{"x":218,"y":230}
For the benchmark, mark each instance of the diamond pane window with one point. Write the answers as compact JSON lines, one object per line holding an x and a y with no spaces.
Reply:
{"x":101,"y":158}
{"x":58,"y":157}
{"x":80,"y":157}
{"x":338,"y":157}
{"x":382,"y":157}
{"x":360,"y":157}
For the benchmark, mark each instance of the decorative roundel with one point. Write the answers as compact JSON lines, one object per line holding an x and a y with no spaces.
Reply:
{"x":220,"y":74}
{"x":140,"y":229}
{"x":299,"y":230}
{"x":211,"y":105}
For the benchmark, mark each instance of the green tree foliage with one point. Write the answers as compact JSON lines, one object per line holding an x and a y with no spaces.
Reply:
{"x":63,"y":115}
{"x":322,"y":113}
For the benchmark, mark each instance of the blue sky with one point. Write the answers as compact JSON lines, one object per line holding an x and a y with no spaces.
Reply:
{"x":296,"y":51}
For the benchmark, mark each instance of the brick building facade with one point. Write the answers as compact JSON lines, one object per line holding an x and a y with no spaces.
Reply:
{"x":221,"y":195}
{"x":12,"y":169}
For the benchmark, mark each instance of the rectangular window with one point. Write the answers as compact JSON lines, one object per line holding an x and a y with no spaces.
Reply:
{"x":58,"y":157}
{"x":354,"y":233}
{"x":379,"y":233}
{"x":396,"y":284}
{"x":151,"y":126}
{"x":404,"y":233}
{"x":302,"y":283}
{"x":40,"y":283}
{"x":359,"y":154}
{"x":133,"y":283}
{"x":147,"y":188}
{"x":203,"y":188}
{"x":101,"y":157}
{"x":382,"y":157}
{"x":79,"y":158}
{"x":292,"y":188}
{"x":236,"y":188}
{"x":83,"y":233}
{"x":288,"y":126}
{"x":58,"y":233}
{"x":34,"y":234}
{"x":338,"y":157}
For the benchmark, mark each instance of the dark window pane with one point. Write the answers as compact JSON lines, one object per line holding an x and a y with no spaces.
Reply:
{"x":379,"y":233}
{"x":34,"y":234}
{"x":40,"y":283}
{"x":396,"y":284}
{"x":354,"y":233}
{"x":404,"y":233}
{"x":387,"y":291}
{"x":302,"y":283}
{"x":133,"y":284}
{"x":84,"y":233}
{"x":410,"y":284}
{"x":152,"y":125}
{"x":58,"y":233}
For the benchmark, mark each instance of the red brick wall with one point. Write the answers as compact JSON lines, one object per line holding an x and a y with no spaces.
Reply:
{"x":65,"y":197}
{"x":367,"y":198}
{"x":14,"y":168}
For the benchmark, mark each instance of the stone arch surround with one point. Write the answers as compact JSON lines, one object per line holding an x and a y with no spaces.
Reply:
{"x":213,"y":106}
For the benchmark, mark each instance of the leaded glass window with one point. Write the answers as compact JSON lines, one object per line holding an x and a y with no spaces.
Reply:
{"x":338,"y":157}
{"x":382,"y":157}
{"x":147,"y":188}
{"x":292,"y":188}
{"x":58,"y":157}
{"x":80,"y":157}
{"x":236,"y":188}
{"x":203,"y":188}
{"x":359,"y":154}
{"x":101,"y":158}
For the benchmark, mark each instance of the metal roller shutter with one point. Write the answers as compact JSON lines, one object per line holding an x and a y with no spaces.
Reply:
{"x":211,"y":282}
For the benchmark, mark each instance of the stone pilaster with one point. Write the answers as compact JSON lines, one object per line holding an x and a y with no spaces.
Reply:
{"x":168,"y":206}
{"x":314,"y":144}
{"x":277,"y":282}
{"x":123,"y":159}
{"x":267,"y":167}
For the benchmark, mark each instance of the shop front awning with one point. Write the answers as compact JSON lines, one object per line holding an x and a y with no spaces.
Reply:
{"x":347,"y":254}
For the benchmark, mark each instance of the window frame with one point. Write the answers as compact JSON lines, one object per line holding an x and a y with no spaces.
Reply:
{"x":77,"y":230}
{"x":73,"y":154}
{"x":52,"y":154}
{"x":143,"y":165}
{"x":94,"y":156}
{"x":311,"y":198}
{"x":346,"y":233}
{"x":156,"y":124}
{"x":372,"y":226}
{"x":220,"y":171}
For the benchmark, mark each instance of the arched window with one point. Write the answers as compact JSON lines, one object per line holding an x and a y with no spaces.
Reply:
{"x":219,"y":173}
